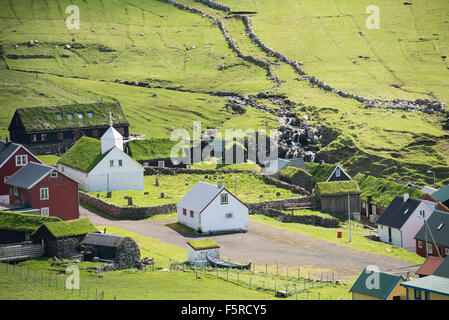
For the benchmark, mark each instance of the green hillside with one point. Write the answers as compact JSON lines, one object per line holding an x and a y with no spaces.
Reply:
{"x":184,"y":64}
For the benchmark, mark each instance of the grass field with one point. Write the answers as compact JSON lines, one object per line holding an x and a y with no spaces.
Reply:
{"x":188,"y":62}
{"x":249,"y":189}
{"x":36,"y":279}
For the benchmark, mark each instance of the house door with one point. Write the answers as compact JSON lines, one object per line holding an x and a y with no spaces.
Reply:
{"x":389,"y":235}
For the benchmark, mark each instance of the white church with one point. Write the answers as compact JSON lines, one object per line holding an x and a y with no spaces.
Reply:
{"x":102,"y":165}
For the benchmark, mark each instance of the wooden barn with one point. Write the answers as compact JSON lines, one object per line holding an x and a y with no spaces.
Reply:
{"x":64,"y":125}
{"x":336,"y":195}
{"x":18,"y":227}
{"x":62,"y":238}
{"x":124,"y":252}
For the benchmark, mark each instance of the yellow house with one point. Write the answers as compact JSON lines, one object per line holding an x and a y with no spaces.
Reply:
{"x":375,"y":285}
{"x":427,"y":288}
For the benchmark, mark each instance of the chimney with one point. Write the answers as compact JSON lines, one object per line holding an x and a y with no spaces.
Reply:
{"x":406,"y":197}
{"x":219,"y":184}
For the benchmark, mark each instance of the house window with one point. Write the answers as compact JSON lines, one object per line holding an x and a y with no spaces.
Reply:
{"x":80,"y":115}
{"x":21,"y":160}
{"x":440,"y":226}
{"x":44,"y":194}
{"x":111,"y":163}
{"x":184,"y":212}
{"x":54,"y":174}
{"x":417,"y":294}
{"x":59,"y":116}
{"x":224,"y":198}
{"x":420,"y":244}
{"x":43,"y":137}
{"x":16,"y":191}
{"x":426,"y":295}
{"x":60,"y":136}
{"x":429,"y":248}
{"x":45,"y":212}
{"x":337,"y":172}
{"x":120,"y":163}
{"x":161,"y":164}
{"x":95,"y":133}
{"x":90,"y":114}
{"x":69,"y":115}
{"x":191,"y":214}
{"x":33,"y":138}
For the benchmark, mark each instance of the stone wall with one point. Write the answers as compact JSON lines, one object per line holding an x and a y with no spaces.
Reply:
{"x":261,"y":207}
{"x":127,"y":255}
{"x":304,"y":219}
{"x":62,"y":248}
{"x":126,"y":212}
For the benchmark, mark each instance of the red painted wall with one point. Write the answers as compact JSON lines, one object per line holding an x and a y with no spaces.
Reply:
{"x":63,"y":197}
{"x":422,"y":251}
{"x":9,"y":168}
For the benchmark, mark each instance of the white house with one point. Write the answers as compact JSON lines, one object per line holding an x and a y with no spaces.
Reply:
{"x":209,"y":208}
{"x":102,"y":165}
{"x":402,"y":219}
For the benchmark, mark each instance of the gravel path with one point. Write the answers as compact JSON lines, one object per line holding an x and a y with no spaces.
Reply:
{"x":267,"y":245}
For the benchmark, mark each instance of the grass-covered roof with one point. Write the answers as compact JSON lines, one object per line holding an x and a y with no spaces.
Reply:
{"x":71,"y":116}
{"x":320,"y":171}
{"x":383,"y":191}
{"x":152,"y":149}
{"x":203,"y":244}
{"x":23,"y":222}
{"x":84,"y":155}
{"x":337,"y":187}
{"x":64,"y":229}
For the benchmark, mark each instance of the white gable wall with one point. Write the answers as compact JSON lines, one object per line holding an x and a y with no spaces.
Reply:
{"x":74,"y":174}
{"x":396,"y":237}
{"x":129,"y":176}
{"x":412,"y":226}
{"x":213,"y":218}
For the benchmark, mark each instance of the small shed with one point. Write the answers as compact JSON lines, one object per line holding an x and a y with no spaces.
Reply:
{"x":199,"y":250}
{"x":334,"y":197}
{"x":62,"y":238}
{"x":123,"y":251}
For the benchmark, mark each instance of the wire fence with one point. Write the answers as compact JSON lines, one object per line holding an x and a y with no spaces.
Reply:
{"x":54,"y":282}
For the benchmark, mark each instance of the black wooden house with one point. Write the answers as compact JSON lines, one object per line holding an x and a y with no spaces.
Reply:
{"x":66,"y":124}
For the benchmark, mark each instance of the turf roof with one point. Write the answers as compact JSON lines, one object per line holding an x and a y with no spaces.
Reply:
{"x":152,"y":149}
{"x":84,"y":155}
{"x":23,"y":222}
{"x":203,"y":244}
{"x":63,"y":229}
{"x":67,"y":117}
{"x":337,"y":187}
{"x":383,"y":191}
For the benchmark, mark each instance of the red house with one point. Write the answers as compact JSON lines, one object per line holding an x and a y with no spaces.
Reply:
{"x":433,"y":237}
{"x":45,"y":188}
{"x":13,"y":157}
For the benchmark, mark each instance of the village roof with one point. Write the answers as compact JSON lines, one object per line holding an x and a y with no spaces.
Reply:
{"x":438,"y":225}
{"x":203,"y":244}
{"x":338,"y":187}
{"x":104,"y":240}
{"x":153,"y":149}
{"x":428,"y":268}
{"x":429,"y":190}
{"x":64,"y":229}
{"x":387,"y":282}
{"x":398,"y":212}
{"x":84,"y":155}
{"x":431,"y":283}
{"x":199,"y":197}
{"x":23,"y":222}
{"x":37,"y":119}
{"x":28,"y":176}
{"x":442,"y":195}
{"x":343,"y":175}
{"x":443,"y":269}
{"x":7,"y":149}
{"x":383,"y":191}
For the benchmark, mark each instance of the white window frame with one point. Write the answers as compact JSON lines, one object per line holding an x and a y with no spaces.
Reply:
{"x":47,"y":194}
{"x":45,"y":210}
{"x":429,"y":248}
{"x":54,"y":174}
{"x":419,"y":244}
{"x":21,"y":160}
{"x":120,"y":163}
{"x":161,"y":164}
{"x":224,"y":198}
{"x":111,"y":163}
{"x":16,"y":190}
{"x":338,"y":173}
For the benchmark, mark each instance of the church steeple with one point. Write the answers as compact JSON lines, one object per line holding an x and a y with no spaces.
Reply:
{"x":111,"y":138}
